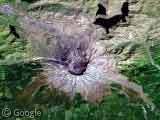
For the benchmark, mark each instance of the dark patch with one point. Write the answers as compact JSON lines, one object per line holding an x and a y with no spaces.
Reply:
{"x":77,"y":62}
{"x":13,"y":31}
{"x":125,"y":11}
{"x":79,"y":67}
{"x":108,"y":23}
{"x":101,"y":10}
{"x":72,"y":55}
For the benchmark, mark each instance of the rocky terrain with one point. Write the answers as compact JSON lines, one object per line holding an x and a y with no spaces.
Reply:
{"x":134,"y":45}
{"x":123,"y":40}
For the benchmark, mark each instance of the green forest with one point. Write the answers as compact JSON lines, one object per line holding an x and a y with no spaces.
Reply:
{"x":59,"y":62}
